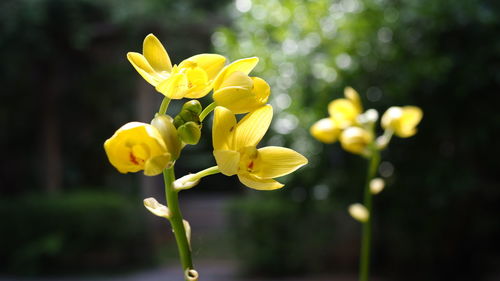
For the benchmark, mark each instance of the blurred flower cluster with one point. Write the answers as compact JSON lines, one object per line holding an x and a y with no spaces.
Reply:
{"x":355,"y":129}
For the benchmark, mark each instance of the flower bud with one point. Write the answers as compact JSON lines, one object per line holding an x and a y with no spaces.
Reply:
{"x":193,"y":106}
{"x":186,"y":182}
{"x":368,"y":117}
{"x":376,"y":185}
{"x":189,"y":132}
{"x":165,"y":126}
{"x":359,"y":212}
{"x":156,"y":208}
{"x":190,"y":112}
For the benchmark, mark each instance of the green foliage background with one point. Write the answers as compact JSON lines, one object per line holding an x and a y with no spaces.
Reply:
{"x":437,"y":213}
{"x":66,"y":85}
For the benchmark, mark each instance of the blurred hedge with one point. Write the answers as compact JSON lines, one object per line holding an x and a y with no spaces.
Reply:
{"x":77,"y":232}
{"x":437,"y":219}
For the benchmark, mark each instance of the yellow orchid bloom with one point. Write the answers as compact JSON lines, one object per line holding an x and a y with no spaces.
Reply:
{"x":355,"y":140}
{"x":241,"y":93}
{"x":245,"y":65}
{"x":192,"y":78}
{"x":325,"y":130}
{"x":137,"y":146}
{"x":345,"y":111}
{"x":236,"y":153}
{"x":402,"y":120}
{"x":238,"y":92}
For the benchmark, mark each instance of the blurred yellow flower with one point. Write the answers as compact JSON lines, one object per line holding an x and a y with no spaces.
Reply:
{"x":325,"y":130}
{"x":238,"y":92}
{"x":137,"y":146}
{"x":236,"y":153}
{"x":345,"y":111}
{"x":355,"y":140}
{"x":192,"y":78}
{"x":402,"y":120}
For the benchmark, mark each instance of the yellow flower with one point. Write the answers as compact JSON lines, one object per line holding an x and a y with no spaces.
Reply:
{"x":238,"y":92}
{"x":192,"y":78}
{"x":137,"y":146}
{"x":325,"y":130}
{"x":402,"y":120}
{"x":345,"y":111}
{"x":355,"y":140}
{"x":236,"y":153}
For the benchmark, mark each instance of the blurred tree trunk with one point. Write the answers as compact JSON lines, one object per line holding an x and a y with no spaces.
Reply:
{"x":51,"y":160}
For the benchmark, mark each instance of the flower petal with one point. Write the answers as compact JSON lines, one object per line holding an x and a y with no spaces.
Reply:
{"x":409,"y":121}
{"x":253,"y":127}
{"x":211,"y":63}
{"x":223,"y":128}
{"x":156,"y":54}
{"x":353,"y":96}
{"x":228,"y":161}
{"x":239,"y":79}
{"x":155,"y":165}
{"x":261,"y":89}
{"x":244,"y":65}
{"x":259,"y":184}
{"x":343,"y":112}
{"x":325,"y":130}
{"x":142,"y":66}
{"x":174,"y":87}
{"x":237,"y":99}
{"x":275,"y":161}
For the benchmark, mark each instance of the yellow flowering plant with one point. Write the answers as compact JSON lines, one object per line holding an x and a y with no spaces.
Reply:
{"x":154,"y":148}
{"x":356,"y":132}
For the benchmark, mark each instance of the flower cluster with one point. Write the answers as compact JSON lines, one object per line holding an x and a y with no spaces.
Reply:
{"x":153,"y":147}
{"x":355,"y":129}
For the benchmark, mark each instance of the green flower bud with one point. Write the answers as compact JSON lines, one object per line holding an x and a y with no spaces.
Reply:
{"x":193,"y":106}
{"x":190,"y":112}
{"x":165,"y":126}
{"x":190,"y":132}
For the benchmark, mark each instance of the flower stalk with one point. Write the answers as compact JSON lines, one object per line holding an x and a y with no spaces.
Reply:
{"x":164,"y":105}
{"x":364,"y":265}
{"x":177,"y":222}
{"x":207,"y":110}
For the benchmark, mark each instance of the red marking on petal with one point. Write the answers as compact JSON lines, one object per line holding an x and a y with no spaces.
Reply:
{"x":133,"y":159}
{"x":250,"y":166}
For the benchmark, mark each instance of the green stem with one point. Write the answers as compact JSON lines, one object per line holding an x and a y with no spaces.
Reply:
{"x":207,"y":110}
{"x":176,"y":220}
{"x":207,"y":172}
{"x":364,"y":265}
{"x":164,"y":105}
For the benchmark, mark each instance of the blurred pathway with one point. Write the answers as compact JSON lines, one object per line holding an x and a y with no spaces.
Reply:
{"x":209,"y":271}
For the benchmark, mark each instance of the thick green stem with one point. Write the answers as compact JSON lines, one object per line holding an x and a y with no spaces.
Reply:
{"x":164,"y":105}
{"x":364,"y":265}
{"x":207,"y":110}
{"x":176,"y":220}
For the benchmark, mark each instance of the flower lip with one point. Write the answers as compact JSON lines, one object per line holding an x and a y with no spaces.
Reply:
{"x":235,"y":149}
{"x":137,"y":146}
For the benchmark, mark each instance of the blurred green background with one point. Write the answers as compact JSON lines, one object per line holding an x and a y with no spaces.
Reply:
{"x":66,"y":86}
